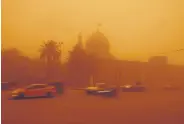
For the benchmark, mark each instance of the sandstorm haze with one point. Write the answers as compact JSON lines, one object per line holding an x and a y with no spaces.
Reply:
{"x":136,"y":29}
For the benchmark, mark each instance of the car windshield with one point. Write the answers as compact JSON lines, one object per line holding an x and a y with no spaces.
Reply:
{"x":35,"y":86}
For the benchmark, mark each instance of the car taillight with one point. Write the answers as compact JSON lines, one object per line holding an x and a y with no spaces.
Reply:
{"x":53,"y":89}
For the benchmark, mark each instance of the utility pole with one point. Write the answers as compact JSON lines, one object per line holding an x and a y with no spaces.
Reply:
{"x":118,"y":83}
{"x":60,"y":48}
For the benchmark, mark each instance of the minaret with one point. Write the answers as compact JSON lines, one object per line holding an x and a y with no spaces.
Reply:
{"x":98,"y":27}
{"x":80,"y":40}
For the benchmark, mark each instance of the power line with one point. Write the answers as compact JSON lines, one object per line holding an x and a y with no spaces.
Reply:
{"x":173,"y":51}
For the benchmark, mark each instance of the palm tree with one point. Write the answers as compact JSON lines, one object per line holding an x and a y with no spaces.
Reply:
{"x":50,"y":53}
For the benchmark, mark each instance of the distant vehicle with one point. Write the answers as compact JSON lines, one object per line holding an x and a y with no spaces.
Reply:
{"x":171,"y":87}
{"x":99,"y":89}
{"x":109,"y":91}
{"x":34,"y":90}
{"x":95,"y":89}
{"x":92,"y":89}
{"x":133,"y":88}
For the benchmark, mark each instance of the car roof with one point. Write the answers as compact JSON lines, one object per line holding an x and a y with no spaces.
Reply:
{"x":37,"y":84}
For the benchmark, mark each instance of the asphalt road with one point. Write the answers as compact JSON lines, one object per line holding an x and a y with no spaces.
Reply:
{"x":75,"y":107}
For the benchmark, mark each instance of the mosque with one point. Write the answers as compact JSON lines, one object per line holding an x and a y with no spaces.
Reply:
{"x":112,"y":71}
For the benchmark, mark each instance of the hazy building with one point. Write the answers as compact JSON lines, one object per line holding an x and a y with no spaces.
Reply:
{"x":129,"y":72}
{"x":158,"y":60}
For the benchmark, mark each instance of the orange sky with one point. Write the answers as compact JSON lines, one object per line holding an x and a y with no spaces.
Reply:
{"x":136,"y":29}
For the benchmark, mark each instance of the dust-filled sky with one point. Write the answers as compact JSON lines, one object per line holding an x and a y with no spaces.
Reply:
{"x":136,"y":29}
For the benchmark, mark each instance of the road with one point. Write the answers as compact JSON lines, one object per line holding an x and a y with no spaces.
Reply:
{"x":75,"y":107}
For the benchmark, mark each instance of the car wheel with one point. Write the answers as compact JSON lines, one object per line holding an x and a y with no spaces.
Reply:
{"x":49,"y":94}
{"x":90,"y":92}
{"x":20,"y":96}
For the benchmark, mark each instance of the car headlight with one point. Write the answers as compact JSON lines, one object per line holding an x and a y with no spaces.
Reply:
{"x":14,"y":92}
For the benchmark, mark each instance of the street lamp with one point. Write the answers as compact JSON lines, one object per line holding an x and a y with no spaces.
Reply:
{"x":60,"y":45}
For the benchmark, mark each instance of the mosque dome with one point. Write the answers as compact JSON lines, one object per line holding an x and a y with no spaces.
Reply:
{"x":98,"y":45}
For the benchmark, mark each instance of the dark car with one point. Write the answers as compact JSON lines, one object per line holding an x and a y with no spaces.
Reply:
{"x":101,"y":89}
{"x":108,"y":92}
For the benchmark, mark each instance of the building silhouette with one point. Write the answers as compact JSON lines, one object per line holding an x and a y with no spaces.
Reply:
{"x":158,"y":60}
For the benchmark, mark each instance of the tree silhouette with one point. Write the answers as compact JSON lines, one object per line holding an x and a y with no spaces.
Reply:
{"x":12,"y":62}
{"x":10,"y":53}
{"x":50,"y":53}
{"x":78,"y":66}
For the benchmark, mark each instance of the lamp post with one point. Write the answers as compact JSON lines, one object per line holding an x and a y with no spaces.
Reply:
{"x":60,"y":46}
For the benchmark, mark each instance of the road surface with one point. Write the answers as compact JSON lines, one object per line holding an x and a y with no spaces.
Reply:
{"x":75,"y":107}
